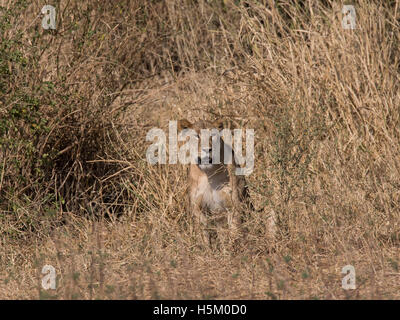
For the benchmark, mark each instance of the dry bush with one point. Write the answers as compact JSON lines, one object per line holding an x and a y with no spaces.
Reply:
{"x":76,"y":191}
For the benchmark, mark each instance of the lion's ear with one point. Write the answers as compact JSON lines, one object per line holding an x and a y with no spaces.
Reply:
{"x":218,"y":124}
{"x":222,"y":124}
{"x":184,"y":124}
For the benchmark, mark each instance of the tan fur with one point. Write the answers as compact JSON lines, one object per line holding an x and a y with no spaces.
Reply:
{"x":215,"y":192}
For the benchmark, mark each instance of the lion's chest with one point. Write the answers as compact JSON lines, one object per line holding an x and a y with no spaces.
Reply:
{"x":214,"y":196}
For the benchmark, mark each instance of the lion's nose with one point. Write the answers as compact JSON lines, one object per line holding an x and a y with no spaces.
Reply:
{"x":207,"y":152}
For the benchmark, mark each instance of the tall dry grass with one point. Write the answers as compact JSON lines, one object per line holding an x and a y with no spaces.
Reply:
{"x":77,"y":193}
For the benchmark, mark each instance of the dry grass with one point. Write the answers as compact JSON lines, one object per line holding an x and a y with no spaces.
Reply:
{"x":76,"y":191}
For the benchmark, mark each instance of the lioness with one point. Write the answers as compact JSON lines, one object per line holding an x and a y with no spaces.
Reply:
{"x":216,"y":193}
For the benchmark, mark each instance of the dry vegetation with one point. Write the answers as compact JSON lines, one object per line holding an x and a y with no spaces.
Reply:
{"x":77,"y":193}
